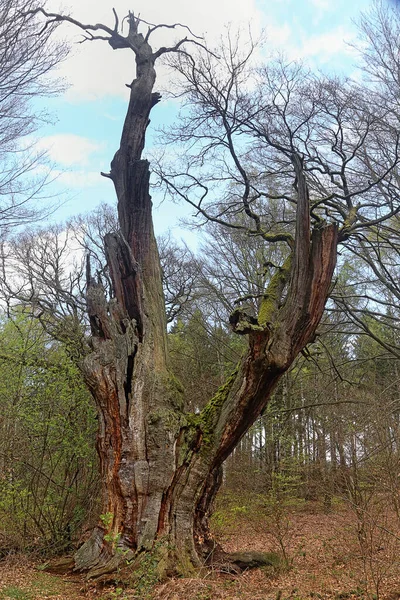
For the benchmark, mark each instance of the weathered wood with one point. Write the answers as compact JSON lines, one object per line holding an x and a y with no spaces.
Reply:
{"x":160,"y":467}
{"x":59,"y":565}
{"x":253,"y":559}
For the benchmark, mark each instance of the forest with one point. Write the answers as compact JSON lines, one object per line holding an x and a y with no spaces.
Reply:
{"x":219,"y":420}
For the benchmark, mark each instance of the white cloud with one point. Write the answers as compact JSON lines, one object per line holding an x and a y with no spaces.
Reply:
{"x":322,"y":4}
{"x":278,"y":35}
{"x":298,"y":45}
{"x":327,"y":44}
{"x":69,"y":149}
{"x":94,"y":70}
{"x":324,"y":46}
{"x":79,"y":179}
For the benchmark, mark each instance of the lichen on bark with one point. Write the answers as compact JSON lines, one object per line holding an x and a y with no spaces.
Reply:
{"x":205,"y":420}
{"x":273,"y":293}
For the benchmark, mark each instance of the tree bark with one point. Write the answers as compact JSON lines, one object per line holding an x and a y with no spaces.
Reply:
{"x":161,"y":468}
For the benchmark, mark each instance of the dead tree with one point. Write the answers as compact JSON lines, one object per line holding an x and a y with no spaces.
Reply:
{"x":160,"y":466}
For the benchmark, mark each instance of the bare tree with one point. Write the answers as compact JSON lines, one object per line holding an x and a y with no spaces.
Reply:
{"x":370,"y":293}
{"x":180,"y":276}
{"x":44,"y":269}
{"x":290,"y":141}
{"x":26,"y":60}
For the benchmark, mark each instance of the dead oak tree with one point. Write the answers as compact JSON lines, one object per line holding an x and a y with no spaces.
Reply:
{"x":160,"y":466}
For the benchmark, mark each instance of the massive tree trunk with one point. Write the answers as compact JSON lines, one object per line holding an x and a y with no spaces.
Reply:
{"x":160,"y":467}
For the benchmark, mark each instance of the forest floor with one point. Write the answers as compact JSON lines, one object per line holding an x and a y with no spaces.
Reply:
{"x":323,"y":553}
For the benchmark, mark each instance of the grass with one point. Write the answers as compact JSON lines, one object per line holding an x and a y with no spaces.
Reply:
{"x":15,"y":593}
{"x":31,"y":584}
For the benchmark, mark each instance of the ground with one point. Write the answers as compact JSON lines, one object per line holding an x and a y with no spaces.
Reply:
{"x":323,"y":560}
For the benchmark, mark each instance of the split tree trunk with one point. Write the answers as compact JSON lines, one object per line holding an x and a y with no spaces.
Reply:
{"x":161,"y":468}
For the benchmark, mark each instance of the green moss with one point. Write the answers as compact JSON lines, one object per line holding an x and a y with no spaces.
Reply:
{"x":350,"y":220}
{"x":209,"y":411}
{"x":170,"y":418}
{"x":183,"y":565}
{"x":273,"y":292}
{"x":245,"y":326}
{"x":351,"y":217}
{"x":206,"y":420}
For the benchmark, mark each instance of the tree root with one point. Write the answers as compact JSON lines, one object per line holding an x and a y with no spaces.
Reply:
{"x":60,"y":565}
{"x":95,"y":560}
{"x":237,"y":562}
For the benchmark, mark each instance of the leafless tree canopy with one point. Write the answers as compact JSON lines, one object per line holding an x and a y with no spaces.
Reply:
{"x":26,"y":61}
{"x":242,"y":126}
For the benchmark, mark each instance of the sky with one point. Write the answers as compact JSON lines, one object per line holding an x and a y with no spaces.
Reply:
{"x":86,"y":120}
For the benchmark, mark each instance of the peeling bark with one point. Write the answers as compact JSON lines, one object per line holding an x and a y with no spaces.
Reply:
{"x":161,"y":468}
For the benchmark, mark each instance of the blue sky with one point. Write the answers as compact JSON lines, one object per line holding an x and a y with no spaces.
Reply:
{"x":88,"y":117}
